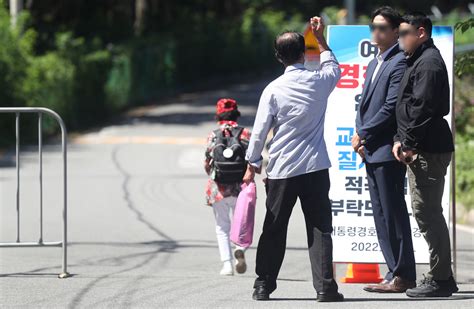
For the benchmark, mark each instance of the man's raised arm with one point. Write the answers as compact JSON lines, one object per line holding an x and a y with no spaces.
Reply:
{"x":329,"y":67}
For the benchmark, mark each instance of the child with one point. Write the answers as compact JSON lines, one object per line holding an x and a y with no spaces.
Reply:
{"x":225,"y":164}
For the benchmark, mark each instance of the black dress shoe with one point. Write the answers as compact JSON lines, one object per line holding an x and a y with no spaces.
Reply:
{"x":330,"y":297}
{"x":261,"y":293}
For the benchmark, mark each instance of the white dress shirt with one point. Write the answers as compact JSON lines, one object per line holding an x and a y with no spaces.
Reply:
{"x":294,"y":105}
{"x":380,"y":59}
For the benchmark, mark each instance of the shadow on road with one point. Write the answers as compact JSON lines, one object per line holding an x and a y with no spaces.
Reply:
{"x":188,"y":119}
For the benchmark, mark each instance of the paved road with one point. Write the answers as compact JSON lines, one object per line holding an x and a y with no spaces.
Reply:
{"x":139,"y":231}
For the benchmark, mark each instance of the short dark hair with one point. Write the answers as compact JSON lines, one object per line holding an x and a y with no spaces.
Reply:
{"x":418,"y":19}
{"x":390,"y":14}
{"x":289,"y":46}
{"x":232,"y":115}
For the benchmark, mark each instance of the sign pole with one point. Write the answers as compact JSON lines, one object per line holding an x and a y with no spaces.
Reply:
{"x":453,"y":174}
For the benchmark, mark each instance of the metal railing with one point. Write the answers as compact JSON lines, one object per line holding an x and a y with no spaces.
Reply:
{"x":40,"y":243}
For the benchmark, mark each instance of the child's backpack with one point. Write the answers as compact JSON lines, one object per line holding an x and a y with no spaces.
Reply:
{"x":228,"y":164}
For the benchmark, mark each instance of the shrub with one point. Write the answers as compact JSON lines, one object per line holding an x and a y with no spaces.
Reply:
{"x":49,"y":83}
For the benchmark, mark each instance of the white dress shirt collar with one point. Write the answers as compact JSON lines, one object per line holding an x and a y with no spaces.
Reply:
{"x":381,"y":57}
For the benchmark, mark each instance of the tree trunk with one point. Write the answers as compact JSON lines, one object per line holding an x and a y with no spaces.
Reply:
{"x":140,"y":15}
{"x":15,"y":8}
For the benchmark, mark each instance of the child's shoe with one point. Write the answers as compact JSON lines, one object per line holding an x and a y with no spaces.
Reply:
{"x":227,"y":269}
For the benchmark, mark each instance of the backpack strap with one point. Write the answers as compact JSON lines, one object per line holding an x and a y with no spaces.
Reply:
{"x":237,"y":131}
{"x":217,"y":132}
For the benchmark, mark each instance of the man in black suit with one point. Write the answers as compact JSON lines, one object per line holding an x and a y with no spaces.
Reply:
{"x":375,"y":128}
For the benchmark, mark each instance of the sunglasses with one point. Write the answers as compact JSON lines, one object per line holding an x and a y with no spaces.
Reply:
{"x":382,"y":28}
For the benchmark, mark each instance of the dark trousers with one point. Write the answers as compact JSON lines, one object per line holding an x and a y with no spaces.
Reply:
{"x":392,"y":222}
{"x":426,"y":176}
{"x":312,"y":189}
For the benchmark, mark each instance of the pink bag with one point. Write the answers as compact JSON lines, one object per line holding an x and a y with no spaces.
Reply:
{"x":241,"y":232}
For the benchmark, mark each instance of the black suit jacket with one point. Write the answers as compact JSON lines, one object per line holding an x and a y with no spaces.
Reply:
{"x":375,"y":121}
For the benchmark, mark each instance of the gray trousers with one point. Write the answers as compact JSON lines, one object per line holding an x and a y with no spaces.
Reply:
{"x":426,"y":177}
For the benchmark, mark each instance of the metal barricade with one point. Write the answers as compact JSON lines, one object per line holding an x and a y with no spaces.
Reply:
{"x":40,"y":243}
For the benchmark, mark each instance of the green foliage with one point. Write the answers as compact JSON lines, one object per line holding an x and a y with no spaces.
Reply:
{"x":332,"y":13}
{"x":465,"y":25}
{"x":464,"y":106}
{"x":258,"y":31}
{"x":49,"y":82}
{"x":463,"y":29}
{"x":118,"y":85}
{"x":153,"y":67}
{"x":464,"y":171}
{"x":464,"y":112}
{"x":16,"y":47}
{"x":86,"y":80}
{"x":15,"y":52}
{"x":464,"y":63}
{"x":90,"y":101}
{"x":69,"y":80}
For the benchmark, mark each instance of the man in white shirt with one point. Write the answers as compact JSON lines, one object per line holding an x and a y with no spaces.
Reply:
{"x":294,"y":106}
